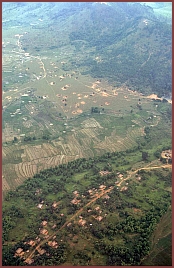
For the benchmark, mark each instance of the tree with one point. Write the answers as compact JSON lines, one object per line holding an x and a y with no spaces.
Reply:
{"x":145,"y":156}
{"x":157,"y":153}
{"x":15,"y":139}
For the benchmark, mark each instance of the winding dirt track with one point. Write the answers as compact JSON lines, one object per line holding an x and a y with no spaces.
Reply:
{"x":144,"y":168}
{"x":103,"y":192}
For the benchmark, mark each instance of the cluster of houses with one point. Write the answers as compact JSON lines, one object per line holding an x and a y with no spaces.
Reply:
{"x":97,"y":215}
{"x":20,"y":252}
{"x":75,"y":201}
{"x":82,"y":221}
{"x":124,"y":188}
{"x":167,"y":154}
{"x":104,"y":172}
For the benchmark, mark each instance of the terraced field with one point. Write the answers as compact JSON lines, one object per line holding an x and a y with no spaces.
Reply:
{"x":22,"y":161}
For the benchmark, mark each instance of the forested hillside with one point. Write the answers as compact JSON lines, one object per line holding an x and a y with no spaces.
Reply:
{"x":132,"y":46}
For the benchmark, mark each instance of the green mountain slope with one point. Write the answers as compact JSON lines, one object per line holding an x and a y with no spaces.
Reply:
{"x":134,"y":49}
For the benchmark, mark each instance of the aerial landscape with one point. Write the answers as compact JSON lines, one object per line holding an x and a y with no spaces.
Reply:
{"x":86,"y":133}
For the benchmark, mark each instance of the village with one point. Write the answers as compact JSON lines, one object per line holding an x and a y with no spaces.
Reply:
{"x":87,"y":212}
{"x":48,"y":232}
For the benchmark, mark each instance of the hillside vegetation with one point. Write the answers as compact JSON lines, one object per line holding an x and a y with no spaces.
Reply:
{"x":86,"y":134}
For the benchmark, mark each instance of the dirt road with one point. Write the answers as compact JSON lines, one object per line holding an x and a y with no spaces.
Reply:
{"x":144,"y":168}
